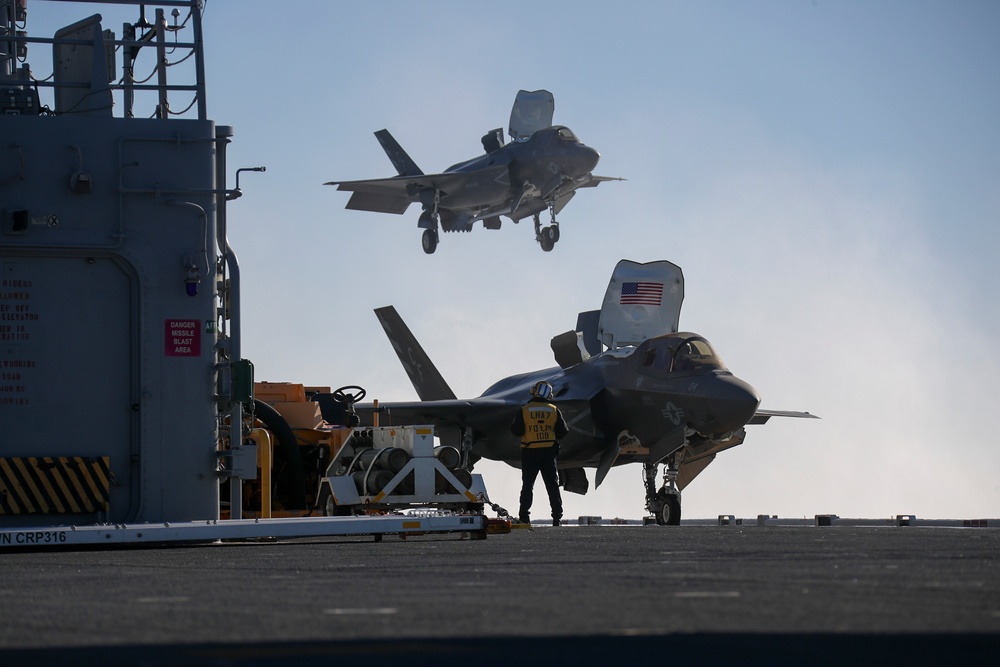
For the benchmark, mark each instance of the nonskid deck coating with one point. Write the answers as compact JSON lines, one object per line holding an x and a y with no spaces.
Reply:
{"x":929,"y":591}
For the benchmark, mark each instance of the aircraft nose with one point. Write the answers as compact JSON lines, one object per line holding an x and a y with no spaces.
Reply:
{"x":590,"y":157}
{"x":732,"y":403}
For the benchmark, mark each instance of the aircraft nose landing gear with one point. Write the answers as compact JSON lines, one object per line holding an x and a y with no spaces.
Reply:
{"x":429,"y":241}
{"x":665,"y":503}
{"x":429,"y":219}
{"x":547,"y":236}
{"x":429,"y":222}
{"x":668,"y":511}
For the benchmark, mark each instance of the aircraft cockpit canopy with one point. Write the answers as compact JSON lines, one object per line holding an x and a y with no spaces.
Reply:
{"x":566,"y":134}
{"x":676,"y":354}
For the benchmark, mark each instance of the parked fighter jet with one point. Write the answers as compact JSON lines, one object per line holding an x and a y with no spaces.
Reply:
{"x":632,"y":387}
{"x":540,"y":169}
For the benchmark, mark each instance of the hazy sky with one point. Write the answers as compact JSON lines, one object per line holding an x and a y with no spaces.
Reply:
{"x":826,"y":173}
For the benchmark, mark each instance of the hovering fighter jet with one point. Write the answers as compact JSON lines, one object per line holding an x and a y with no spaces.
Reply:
{"x":632,"y":387}
{"x":540,"y":169}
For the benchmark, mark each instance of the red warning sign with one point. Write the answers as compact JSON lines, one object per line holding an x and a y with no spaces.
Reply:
{"x":182,"y":338}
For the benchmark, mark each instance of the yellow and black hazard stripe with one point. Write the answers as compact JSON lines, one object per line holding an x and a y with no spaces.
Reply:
{"x":55,"y":485}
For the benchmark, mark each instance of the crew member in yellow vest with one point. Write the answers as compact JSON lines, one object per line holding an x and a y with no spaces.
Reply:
{"x":539,"y":424}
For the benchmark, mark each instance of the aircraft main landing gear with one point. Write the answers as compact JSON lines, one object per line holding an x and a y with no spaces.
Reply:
{"x":664,"y":504}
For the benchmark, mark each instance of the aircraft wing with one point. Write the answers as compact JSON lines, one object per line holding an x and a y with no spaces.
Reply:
{"x":395,"y":194}
{"x":761,"y":416}
{"x":558,"y":197}
{"x":594,"y":181}
{"x":382,"y":195}
{"x":479,"y":413}
{"x":403,"y":185}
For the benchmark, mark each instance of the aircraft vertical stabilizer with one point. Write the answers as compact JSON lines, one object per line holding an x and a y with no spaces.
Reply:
{"x":423,"y":374}
{"x":404,"y":164}
{"x":642,"y":301}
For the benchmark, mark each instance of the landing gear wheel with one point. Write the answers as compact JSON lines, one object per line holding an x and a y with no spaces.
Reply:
{"x":351,"y":393}
{"x":669,"y":513}
{"x":429,"y":241}
{"x":553,"y":233}
{"x":546,"y":242}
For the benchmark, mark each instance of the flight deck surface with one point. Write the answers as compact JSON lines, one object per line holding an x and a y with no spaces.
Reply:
{"x":583,"y":595}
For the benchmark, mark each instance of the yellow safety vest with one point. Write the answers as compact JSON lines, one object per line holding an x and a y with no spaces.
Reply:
{"x":539,"y":425}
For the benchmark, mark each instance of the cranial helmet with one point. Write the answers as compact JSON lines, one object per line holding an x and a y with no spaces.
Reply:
{"x":542,"y":390}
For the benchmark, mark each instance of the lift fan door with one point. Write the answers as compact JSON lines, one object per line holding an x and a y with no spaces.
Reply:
{"x":532,"y":111}
{"x":642,"y":301}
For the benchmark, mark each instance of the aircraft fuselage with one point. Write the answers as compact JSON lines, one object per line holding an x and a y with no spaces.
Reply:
{"x":659,"y":391}
{"x":545,"y":162}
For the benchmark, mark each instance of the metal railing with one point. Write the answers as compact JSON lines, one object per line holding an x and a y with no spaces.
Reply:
{"x":84,"y":78}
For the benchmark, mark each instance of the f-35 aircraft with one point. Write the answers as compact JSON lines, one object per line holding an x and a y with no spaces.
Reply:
{"x":540,"y":169}
{"x":632,"y":387}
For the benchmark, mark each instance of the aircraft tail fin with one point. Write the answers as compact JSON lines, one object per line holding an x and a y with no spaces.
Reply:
{"x":425,"y":377}
{"x":404,"y":164}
